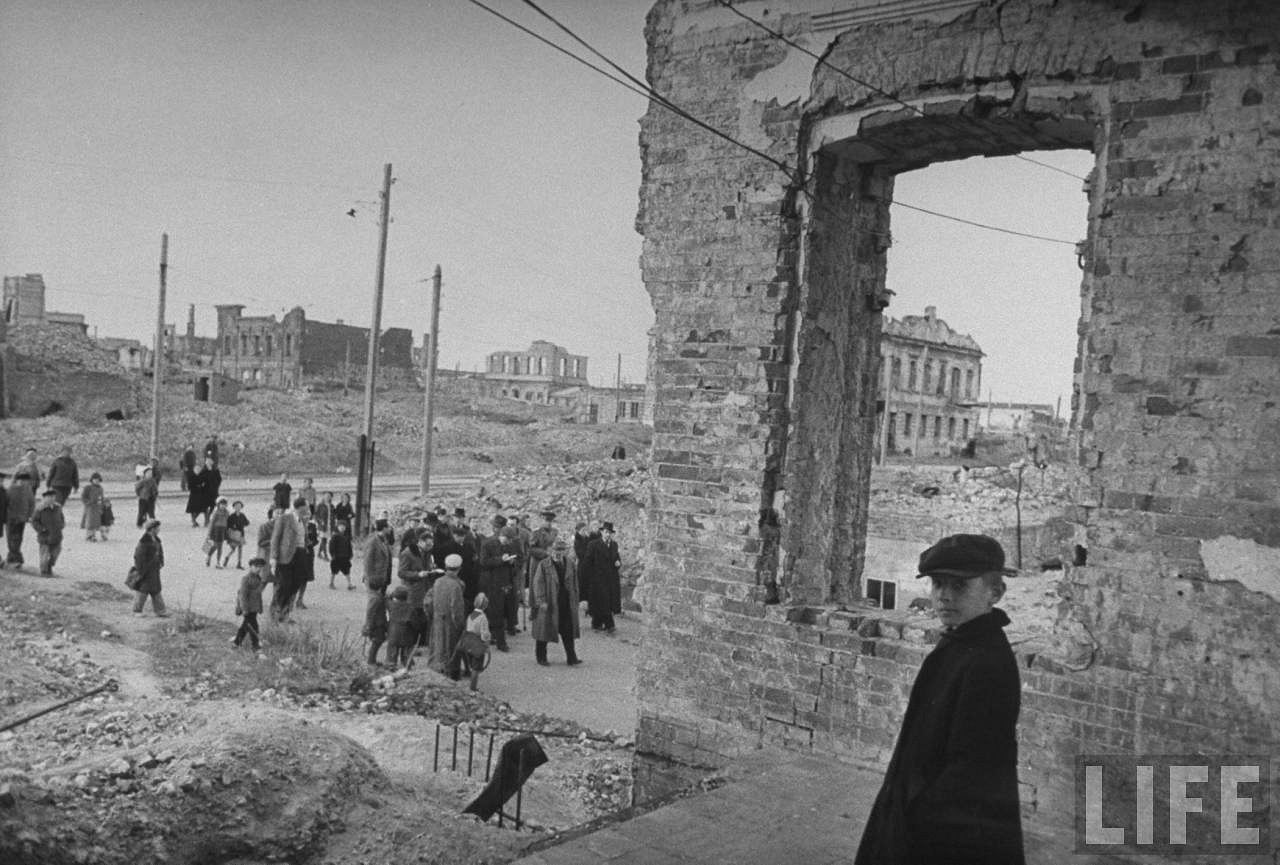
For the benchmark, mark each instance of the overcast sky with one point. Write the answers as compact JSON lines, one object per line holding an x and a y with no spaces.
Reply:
{"x":248,"y":130}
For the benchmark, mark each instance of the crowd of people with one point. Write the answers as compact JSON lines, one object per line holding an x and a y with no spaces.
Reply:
{"x":458,"y":591}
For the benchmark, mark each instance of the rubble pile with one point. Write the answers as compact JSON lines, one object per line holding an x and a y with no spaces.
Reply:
{"x":301,"y":431}
{"x":978,"y":495}
{"x":57,"y":346}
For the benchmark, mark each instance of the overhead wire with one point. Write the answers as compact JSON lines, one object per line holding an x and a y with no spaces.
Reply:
{"x":727,"y":4}
{"x":661,"y":100}
{"x":639,"y":88}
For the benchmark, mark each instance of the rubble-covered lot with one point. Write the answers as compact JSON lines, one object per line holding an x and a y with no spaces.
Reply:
{"x":315,"y":432}
{"x":193,"y":768}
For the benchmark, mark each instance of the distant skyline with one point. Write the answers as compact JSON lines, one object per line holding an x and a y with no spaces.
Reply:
{"x":247,"y":131}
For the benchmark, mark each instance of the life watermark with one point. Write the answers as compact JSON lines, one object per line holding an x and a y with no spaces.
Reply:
{"x":1168,"y":804}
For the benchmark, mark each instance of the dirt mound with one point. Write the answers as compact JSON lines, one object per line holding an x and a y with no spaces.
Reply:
{"x":220,"y":784}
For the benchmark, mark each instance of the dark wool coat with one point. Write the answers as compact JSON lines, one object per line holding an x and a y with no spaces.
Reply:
{"x":148,"y":558}
{"x":48,"y":522}
{"x":604,"y":580}
{"x":64,"y":473}
{"x":950,"y":794}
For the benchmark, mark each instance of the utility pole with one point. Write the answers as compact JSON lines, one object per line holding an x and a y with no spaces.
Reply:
{"x":157,"y":362}
{"x":430,"y":355}
{"x":617,"y":392}
{"x":364,"y":492}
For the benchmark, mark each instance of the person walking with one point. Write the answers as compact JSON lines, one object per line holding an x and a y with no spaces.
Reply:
{"x":553,"y":604}
{"x":49,"y":522}
{"x":144,"y":489}
{"x":148,"y":558}
{"x":212,"y":484}
{"x":64,"y":475}
{"x":249,"y":604}
{"x":288,"y":542}
{"x":187,"y":465}
{"x":340,"y":555}
{"x":377,"y":576}
{"x":323,"y":515}
{"x":217,"y":533}
{"x":92,"y":497}
{"x":22,"y":504}
{"x":282,"y":493}
{"x":604,"y":565}
{"x":237,"y":526}
{"x":195,"y":494}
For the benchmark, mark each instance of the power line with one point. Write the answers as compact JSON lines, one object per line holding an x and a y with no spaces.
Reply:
{"x":655,"y":96}
{"x":1071,"y":243}
{"x":822,"y":61}
{"x":641,"y":89}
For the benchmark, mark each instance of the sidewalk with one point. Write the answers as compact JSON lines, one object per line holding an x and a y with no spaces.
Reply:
{"x":790,"y":809}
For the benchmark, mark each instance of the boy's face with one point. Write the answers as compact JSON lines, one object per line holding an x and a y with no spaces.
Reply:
{"x":956,"y":600}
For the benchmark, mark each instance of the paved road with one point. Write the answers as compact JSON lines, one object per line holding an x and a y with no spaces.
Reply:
{"x":597,"y":694}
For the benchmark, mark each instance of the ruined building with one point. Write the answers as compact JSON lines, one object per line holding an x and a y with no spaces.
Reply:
{"x":292,"y":351}
{"x":535,"y":375}
{"x":24,"y":304}
{"x":767,"y":275}
{"x":931,"y":377}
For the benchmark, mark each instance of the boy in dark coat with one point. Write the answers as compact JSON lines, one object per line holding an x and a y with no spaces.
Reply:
{"x":49,"y":523}
{"x":950,"y":794}
{"x":249,"y":604}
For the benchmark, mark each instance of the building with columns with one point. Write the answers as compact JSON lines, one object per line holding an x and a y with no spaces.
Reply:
{"x":536,"y":374}
{"x":929,"y":384}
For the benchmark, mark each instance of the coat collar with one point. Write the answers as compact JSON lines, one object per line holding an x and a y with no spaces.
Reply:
{"x":977,"y":628}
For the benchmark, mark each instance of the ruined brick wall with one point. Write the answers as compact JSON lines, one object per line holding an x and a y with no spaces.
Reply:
{"x":324,"y":351}
{"x":767,"y":287}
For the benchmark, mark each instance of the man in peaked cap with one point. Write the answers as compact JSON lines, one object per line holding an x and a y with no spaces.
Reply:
{"x":950,"y":794}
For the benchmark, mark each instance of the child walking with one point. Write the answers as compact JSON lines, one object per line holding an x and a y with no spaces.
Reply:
{"x":402,"y":635}
{"x":237,"y":522}
{"x":217,"y":533}
{"x":249,"y":604}
{"x":473,"y":645}
{"x":340,"y":555}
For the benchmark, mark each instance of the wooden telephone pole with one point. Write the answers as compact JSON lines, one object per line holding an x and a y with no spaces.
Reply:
{"x":364,"y":492}
{"x":430,"y":355}
{"x":157,"y":361}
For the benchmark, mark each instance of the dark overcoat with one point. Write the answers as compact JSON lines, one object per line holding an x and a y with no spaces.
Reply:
{"x":604,"y":590}
{"x":148,"y":558}
{"x":950,"y":794}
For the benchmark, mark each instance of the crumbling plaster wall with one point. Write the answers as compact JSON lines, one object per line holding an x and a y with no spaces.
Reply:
{"x":766,"y":286}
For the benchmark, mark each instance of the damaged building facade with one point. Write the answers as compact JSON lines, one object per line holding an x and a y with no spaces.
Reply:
{"x":263,"y":351}
{"x":767,"y":275}
{"x":931,"y":376}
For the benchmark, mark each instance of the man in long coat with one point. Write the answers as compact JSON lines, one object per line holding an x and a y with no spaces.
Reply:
{"x":21,"y":505}
{"x":553,"y":603}
{"x":950,"y":794}
{"x":288,"y":549}
{"x":448,"y":616}
{"x":604,"y":564}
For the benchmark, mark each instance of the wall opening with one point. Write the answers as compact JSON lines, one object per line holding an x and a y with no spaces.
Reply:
{"x":847,"y":294}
